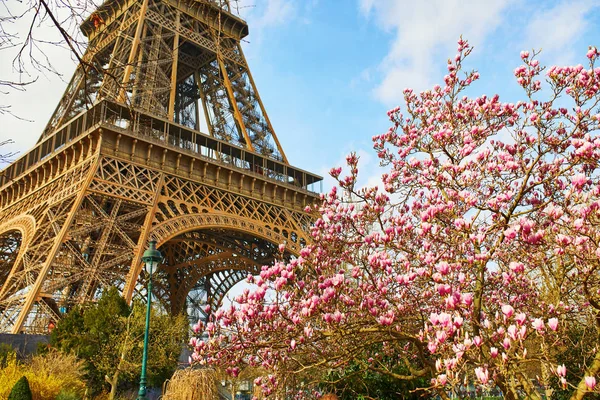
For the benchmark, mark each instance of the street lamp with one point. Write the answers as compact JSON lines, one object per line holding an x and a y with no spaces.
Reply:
{"x":151,"y":259}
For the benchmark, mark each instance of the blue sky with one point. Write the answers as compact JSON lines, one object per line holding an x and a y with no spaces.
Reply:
{"x":328,"y":71}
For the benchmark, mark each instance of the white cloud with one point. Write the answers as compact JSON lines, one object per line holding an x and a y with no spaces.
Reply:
{"x":365,"y":76}
{"x":425,"y":30}
{"x":554,"y":30}
{"x":276,"y":12}
{"x":267,"y":14}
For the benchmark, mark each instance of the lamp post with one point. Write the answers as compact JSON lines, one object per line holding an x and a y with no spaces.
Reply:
{"x":151,"y":259}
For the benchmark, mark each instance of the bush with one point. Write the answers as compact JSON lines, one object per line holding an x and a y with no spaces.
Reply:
{"x":192,"y":384}
{"x":7,"y":353}
{"x":48,"y":375}
{"x":54,"y":372}
{"x":21,"y":390}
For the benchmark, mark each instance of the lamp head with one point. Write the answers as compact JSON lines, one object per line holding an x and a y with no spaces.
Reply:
{"x":151,"y":258}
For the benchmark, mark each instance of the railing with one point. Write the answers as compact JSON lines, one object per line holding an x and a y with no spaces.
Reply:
{"x":120,"y":118}
{"x":52,"y":144}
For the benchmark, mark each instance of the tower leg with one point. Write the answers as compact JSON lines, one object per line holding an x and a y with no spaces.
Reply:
{"x":23,"y":286}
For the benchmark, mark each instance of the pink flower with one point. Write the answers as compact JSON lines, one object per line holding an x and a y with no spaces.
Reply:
{"x":516,"y":266}
{"x":553,"y":323}
{"x":561,"y":370}
{"x":524,"y":54}
{"x":337,"y":316}
{"x":579,"y":180}
{"x":434,"y":319}
{"x":590,"y":382}
{"x":442,"y":379}
{"x":197,"y":327}
{"x":443,"y":267}
{"x":512,"y":332}
{"x":445,"y":319}
{"x":335,"y":172}
{"x":538,"y":324}
{"x":510,"y":233}
{"x":482,"y":374}
{"x":507,"y":310}
{"x":467,"y":298}
{"x":432,"y":347}
{"x":308,"y":331}
{"x":493,"y":352}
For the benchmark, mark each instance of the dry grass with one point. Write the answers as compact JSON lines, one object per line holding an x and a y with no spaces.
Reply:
{"x":192,"y":384}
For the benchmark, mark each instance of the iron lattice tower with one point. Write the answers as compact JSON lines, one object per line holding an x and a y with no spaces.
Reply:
{"x":160,"y":134}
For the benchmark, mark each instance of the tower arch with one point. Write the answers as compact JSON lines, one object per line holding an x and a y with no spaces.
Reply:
{"x":206,"y":254}
{"x":14,"y":238}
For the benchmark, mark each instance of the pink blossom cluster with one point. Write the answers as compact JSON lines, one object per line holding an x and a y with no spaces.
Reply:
{"x":475,"y":262}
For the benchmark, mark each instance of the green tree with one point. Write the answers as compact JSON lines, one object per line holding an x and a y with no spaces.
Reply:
{"x":21,"y":390}
{"x":109,"y":335}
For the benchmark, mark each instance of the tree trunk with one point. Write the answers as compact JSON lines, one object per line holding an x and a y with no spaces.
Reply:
{"x":506,"y":390}
{"x":113,"y":382}
{"x":591,"y":371}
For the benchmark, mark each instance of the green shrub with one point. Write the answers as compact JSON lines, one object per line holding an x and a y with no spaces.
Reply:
{"x":66,"y":394}
{"x":21,"y":390}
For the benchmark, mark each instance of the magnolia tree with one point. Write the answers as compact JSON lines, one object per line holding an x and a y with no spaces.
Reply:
{"x":476,"y":265}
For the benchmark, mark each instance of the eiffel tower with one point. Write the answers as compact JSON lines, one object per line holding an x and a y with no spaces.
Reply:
{"x":160,"y":135}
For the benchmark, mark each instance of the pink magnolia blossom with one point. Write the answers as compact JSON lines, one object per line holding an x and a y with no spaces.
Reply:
{"x":538,"y":324}
{"x":493,"y":352}
{"x":443,"y":268}
{"x":520,"y":318}
{"x":442,"y":379}
{"x":507,"y":310}
{"x":590,"y":382}
{"x":579,"y":180}
{"x":482,"y":374}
